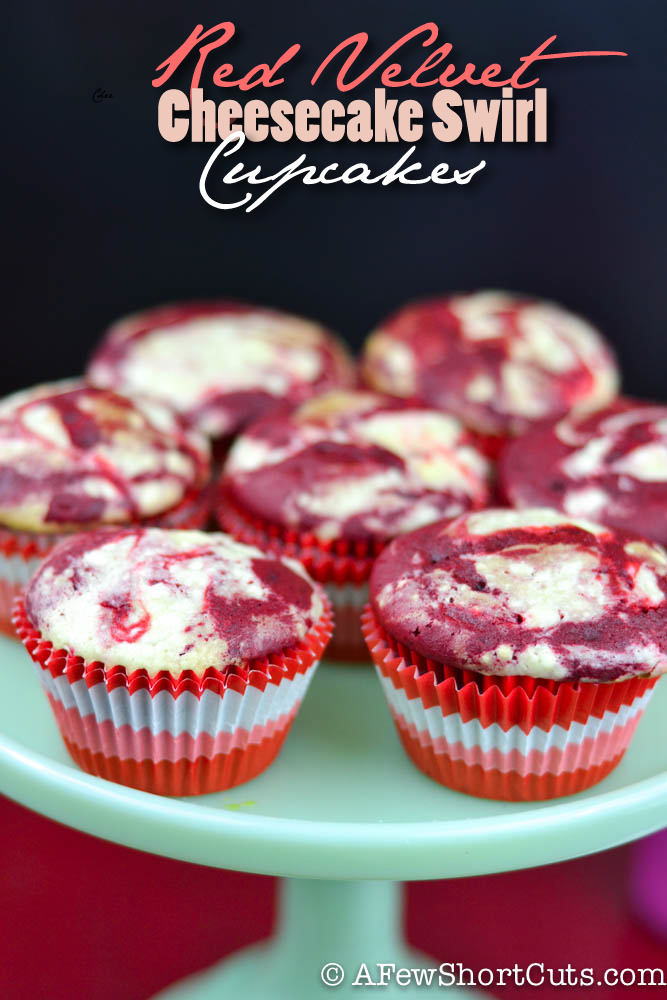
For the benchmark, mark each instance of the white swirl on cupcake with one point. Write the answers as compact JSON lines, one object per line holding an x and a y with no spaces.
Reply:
{"x":611,"y":466}
{"x":73,"y":456}
{"x":170,"y":600}
{"x":499,"y":362}
{"x":219,"y":364}
{"x":356,"y":465}
{"x":527,"y":592}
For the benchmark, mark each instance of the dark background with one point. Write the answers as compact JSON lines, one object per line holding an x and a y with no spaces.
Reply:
{"x":105,"y":216}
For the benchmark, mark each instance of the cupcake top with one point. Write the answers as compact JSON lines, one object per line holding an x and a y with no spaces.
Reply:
{"x":611,"y":467}
{"x":356,"y":465}
{"x":526,"y":592}
{"x":72,"y":456}
{"x":153,"y":599}
{"x":219,"y":364}
{"x":499,"y":362}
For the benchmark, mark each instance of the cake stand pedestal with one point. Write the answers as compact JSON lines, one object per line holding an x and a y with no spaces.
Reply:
{"x":329,"y":934}
{"x":342,"y":806}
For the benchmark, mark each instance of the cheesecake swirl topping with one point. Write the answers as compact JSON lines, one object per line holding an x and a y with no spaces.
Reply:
{"x":220,"y":364}
{"x":73,"y":456}
{"x":611,"y":467}
{"x":527,"y":592}
{"x":499,"y":362}
{"x":170,"y":600}
{"x":356,"y":465}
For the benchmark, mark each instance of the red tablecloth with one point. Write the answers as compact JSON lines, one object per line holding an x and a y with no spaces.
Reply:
{"x":85,"y":919}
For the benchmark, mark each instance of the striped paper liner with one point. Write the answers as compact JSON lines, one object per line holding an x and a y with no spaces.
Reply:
{"x":187,"y":734}
{"x":514,"y":738}
{"x":347,"y":644}
{"x":490,"y":445}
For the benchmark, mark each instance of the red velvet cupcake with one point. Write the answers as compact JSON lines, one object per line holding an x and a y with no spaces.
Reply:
{"x":518,"y":649}
{"x":611,"y":467}
{"x":174,"y":661}
{"x":220,"y":364}
{"x":331,"y":483}
{"x":498,"y":362}
{"x":73,"y":457}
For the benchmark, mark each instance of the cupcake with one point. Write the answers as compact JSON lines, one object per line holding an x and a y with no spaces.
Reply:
{"x":73,"y":458}
{"x":331,"y":483}
{"x":518,"y":649}
{"x":174,"y":661}
{"x":220,"y":364}
{"x":498,"y":362}
{"x":610,"y":467}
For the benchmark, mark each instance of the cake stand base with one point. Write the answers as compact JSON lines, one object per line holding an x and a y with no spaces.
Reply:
{"x":325,"y":928}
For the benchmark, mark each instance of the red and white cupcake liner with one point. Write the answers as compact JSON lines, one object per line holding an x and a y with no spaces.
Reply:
{"x":21,"y":552}
{"x":348,"y":601}
{"x":342,"y":566}
{"x":174,"y":735}
{"x":490,"y":445}
{"x":514,"y":738}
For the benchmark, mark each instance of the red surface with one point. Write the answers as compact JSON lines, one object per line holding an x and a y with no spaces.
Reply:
{"x":84,"y":919}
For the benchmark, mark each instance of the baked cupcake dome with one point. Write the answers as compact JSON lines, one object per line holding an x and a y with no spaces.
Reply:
{"x":222,"y":637}
{"x":518,"y":649}
{"x":529,"y":592}
{"x":610,"y":467}
{"x":497,"y":361}
{"x":220,"y":364}
{"x":335,"y":480}
{"x":73,"y":457}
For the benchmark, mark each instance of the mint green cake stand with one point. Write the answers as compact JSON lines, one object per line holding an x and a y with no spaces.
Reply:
{"x":342,"y":815}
